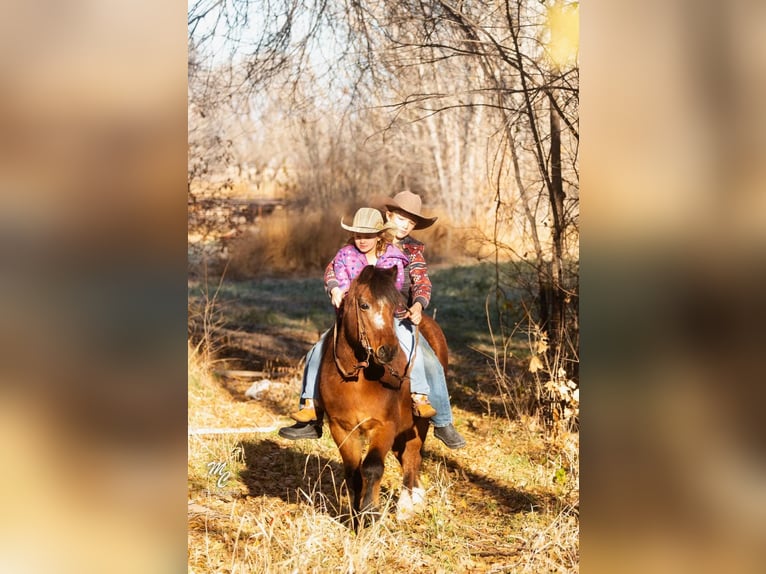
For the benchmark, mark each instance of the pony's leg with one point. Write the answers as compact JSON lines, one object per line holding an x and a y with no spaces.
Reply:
{"x":408,"y":452}
{"x":380,"y":443}
{"x":350,"y":447}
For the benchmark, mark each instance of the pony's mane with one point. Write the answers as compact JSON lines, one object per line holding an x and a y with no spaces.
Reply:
{"x":381,"y":284}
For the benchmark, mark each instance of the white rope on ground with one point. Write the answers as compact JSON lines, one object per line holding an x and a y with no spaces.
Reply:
{"x":244,"y":374}
{"x":244,"y":430}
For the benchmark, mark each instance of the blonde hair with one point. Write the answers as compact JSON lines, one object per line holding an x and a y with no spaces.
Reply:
{"x":385,"y":237}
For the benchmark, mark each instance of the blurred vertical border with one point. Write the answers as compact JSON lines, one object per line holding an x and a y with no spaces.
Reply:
{"x":93,"y":286}
{"x":672,"y":307}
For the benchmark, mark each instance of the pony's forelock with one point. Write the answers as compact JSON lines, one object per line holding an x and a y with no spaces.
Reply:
{"x":381,"y":283}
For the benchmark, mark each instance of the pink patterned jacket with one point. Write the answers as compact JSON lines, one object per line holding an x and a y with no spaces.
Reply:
{"x":349,"y":262}
{"x":416,"y":285}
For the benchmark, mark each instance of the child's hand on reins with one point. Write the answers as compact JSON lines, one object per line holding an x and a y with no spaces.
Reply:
{"x":336,"y":295}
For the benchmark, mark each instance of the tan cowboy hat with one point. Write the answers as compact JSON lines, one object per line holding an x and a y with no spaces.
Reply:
{"x":366,"y":220}
{"x":410,"y":204}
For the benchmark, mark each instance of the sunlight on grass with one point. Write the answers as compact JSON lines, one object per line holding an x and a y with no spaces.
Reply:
{"x":508,"y":502}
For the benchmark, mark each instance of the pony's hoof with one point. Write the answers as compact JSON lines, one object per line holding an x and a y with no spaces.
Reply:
{"x":410,"y":503}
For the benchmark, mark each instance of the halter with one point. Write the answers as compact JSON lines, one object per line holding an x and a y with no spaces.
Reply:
{"x":354,"y":373}
{"x":365,"y":343}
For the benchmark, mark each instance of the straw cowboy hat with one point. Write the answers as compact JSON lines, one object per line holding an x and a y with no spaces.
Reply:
{"x":366,"y":220}
{"x":410,"y":204}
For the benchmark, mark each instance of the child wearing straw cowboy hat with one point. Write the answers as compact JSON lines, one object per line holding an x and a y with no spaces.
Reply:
{"x":370,"y":244}
{"x":403,"y":213}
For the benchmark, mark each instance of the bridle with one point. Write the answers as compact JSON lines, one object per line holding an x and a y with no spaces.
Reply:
{"x":353,"y":374}
{"x":364,"y":342}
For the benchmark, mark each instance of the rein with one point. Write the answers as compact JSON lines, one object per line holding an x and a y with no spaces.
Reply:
{"x":411,"y":360}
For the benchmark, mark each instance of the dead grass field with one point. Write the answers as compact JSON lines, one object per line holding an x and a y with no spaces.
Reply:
{"x":508,"y":502}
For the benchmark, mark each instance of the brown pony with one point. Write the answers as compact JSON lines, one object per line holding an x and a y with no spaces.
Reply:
{"x":365,"y":391}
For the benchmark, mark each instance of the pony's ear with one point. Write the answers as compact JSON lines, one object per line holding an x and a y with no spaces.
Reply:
{"x":391,"y":272}
{"x":367,"y":272}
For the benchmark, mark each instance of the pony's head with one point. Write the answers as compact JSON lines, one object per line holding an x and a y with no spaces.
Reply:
{"x":369,"y":308}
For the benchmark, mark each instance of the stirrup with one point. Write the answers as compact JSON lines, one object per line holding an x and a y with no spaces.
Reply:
{"x":306,"y":414}
{"x":421,"y":407}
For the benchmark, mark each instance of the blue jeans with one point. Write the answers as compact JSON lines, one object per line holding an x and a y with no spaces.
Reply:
{"x":426,"y":369}
{"x":311,"y":368}
{"x":418,"y":379}
{"x":437,"y":382}
{"x":426,"y":375}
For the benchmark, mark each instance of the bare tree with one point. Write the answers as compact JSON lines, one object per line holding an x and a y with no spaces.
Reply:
{"x":463,"y":100}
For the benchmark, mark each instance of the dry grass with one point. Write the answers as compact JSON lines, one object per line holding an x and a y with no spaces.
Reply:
{"x":506,"y":503}
{"x":290,"y":242}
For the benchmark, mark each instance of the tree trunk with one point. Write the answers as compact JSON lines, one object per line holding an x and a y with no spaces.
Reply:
{"x":557,"y":293}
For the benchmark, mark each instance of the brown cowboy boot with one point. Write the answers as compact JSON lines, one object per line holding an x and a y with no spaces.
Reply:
{"x":306,"y":414}
{"x":421,"y":407}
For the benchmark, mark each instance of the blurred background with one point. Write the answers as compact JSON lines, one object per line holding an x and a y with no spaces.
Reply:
{"x":93,"y":394}
{"x":93,"y":205}
{"x":673,"y":466}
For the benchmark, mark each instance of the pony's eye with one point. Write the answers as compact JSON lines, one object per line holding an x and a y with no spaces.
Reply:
{"x":364,"y":306}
